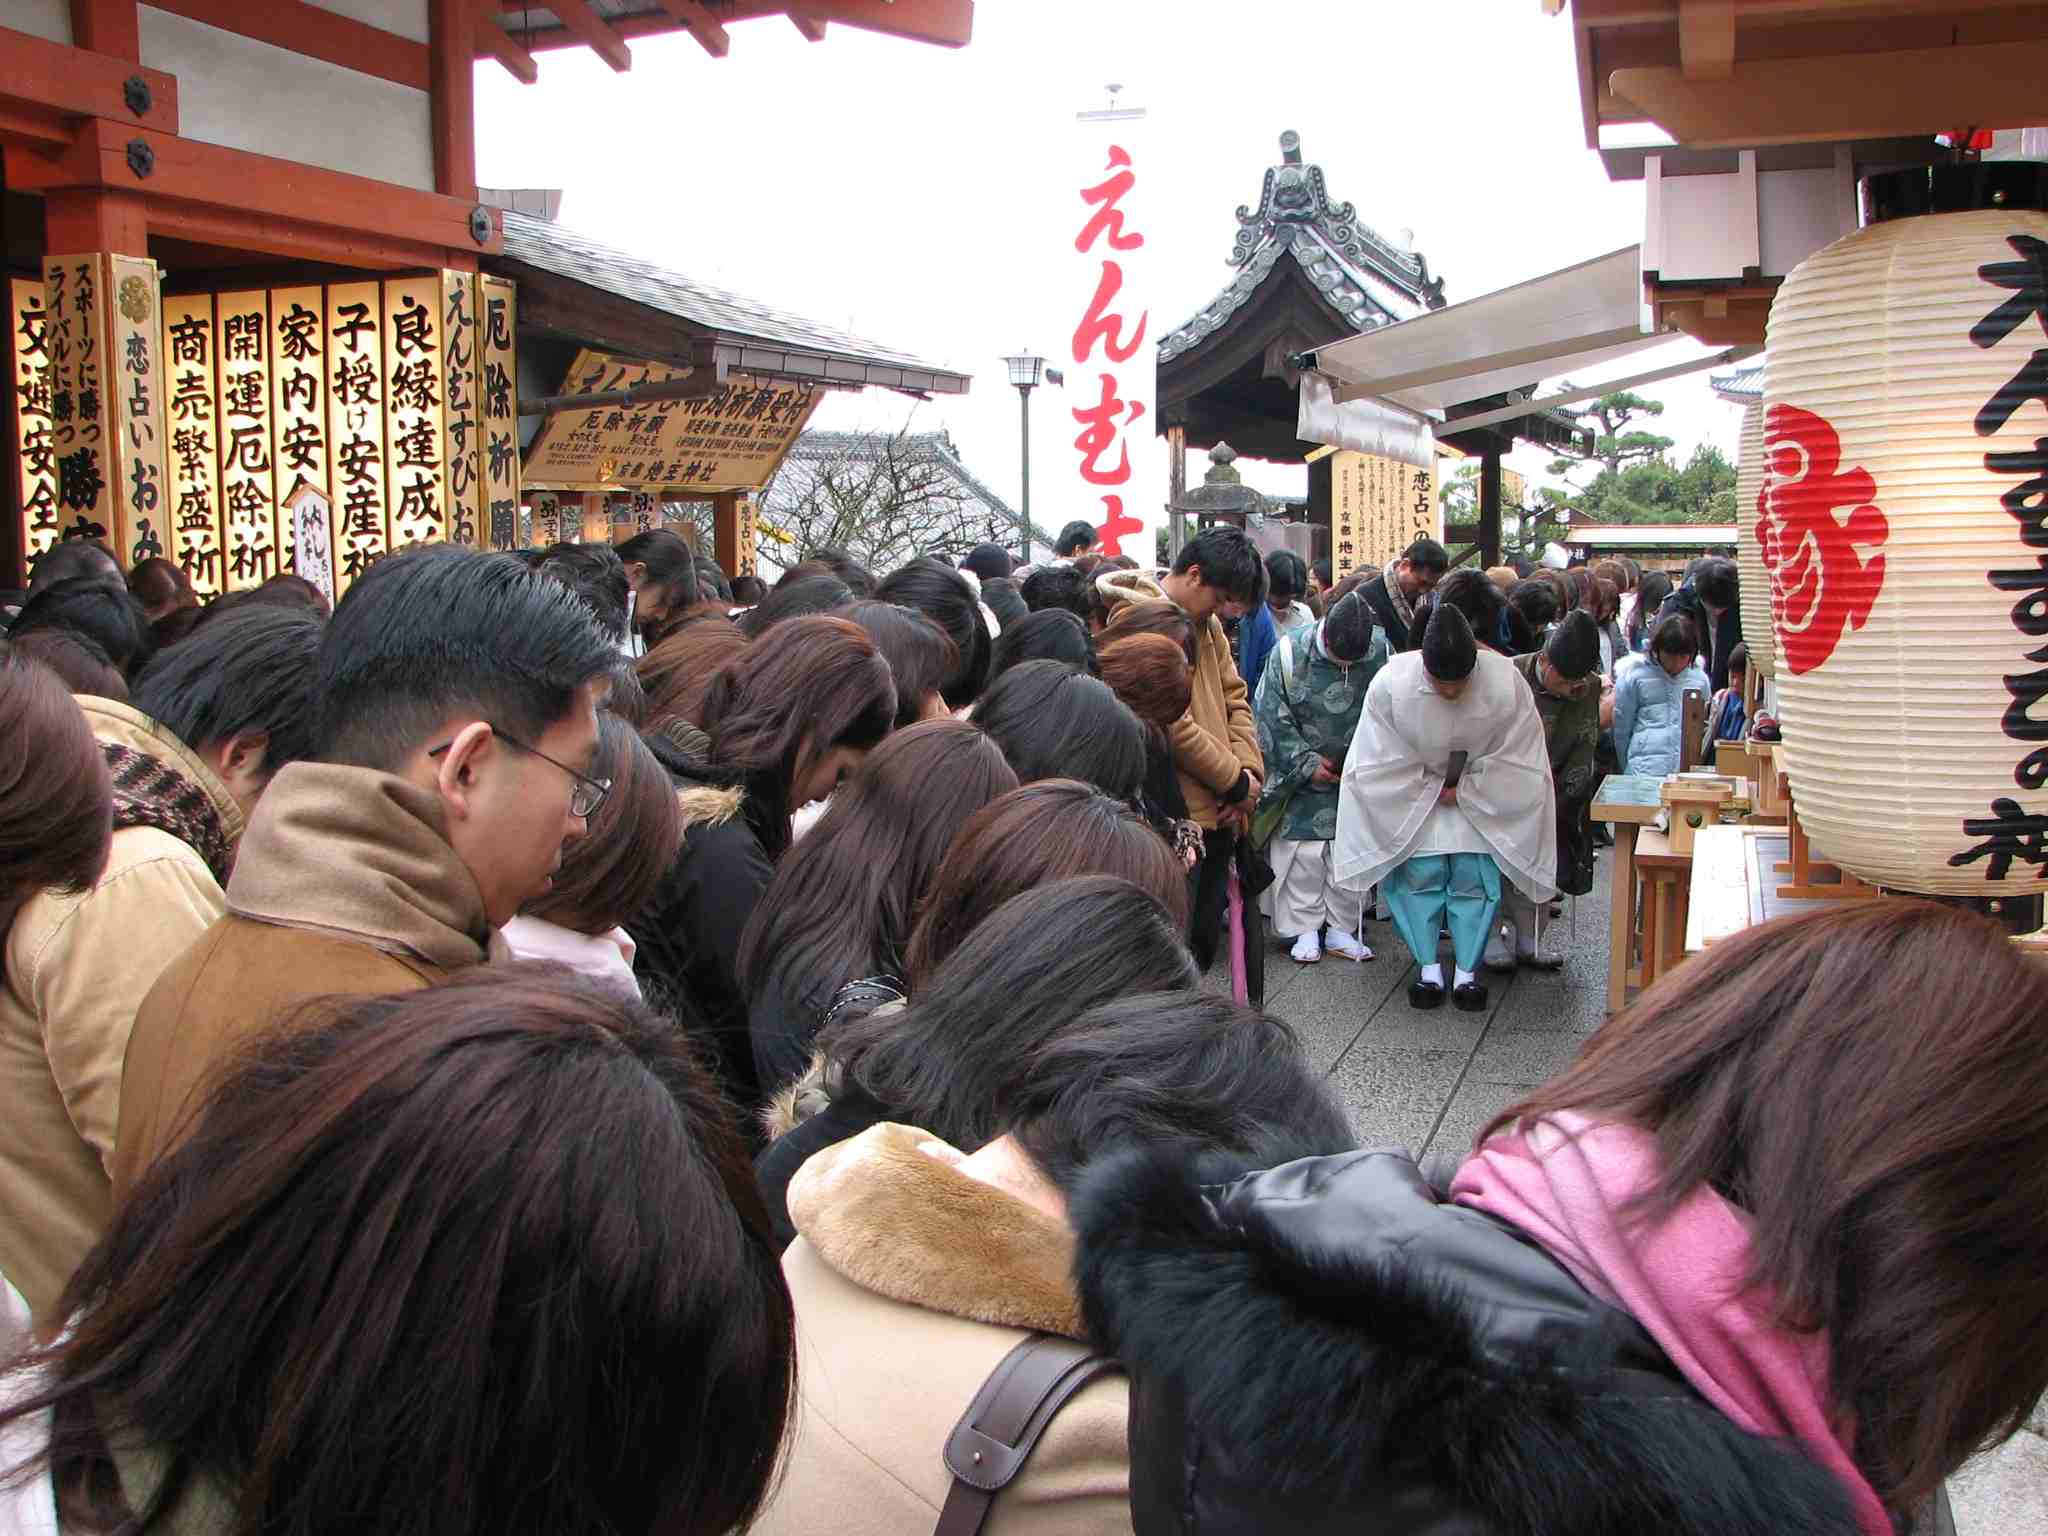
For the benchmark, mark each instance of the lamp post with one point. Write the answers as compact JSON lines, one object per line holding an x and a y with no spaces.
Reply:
{"x":1027,"y":372}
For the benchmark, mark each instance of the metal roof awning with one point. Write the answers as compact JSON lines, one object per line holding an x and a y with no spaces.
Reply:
{"x":1566,"y":323}
{"x":1654,"y":535}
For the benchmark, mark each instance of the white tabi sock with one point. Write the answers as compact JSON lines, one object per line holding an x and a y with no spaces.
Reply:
{"x":1463,"y":976}
{"x":1433,"y":975}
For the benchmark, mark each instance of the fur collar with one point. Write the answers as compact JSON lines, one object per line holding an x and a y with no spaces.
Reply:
{"x":897,"y":1221}
{"x":709,"y":805}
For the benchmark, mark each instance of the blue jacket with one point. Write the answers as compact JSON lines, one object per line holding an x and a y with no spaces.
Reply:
{"x":1649,"y":715}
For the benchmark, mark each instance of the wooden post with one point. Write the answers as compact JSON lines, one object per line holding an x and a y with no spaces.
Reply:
{"x":1176,"y":490}
{"x":79,"y":219}
{"x":451,"y":26}
{"x":1489,"y":506}
{"x":725,"y":531}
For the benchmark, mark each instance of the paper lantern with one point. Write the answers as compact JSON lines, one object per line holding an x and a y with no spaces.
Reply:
{"x":1904,"y":525}
{"x":1756,"y":581}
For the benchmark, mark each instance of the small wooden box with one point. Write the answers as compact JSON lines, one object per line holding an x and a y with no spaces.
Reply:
{"x":1694,"y":803}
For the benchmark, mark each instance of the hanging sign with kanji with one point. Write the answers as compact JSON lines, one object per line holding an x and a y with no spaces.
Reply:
{"x":35,"y":445}
{"x":135,"y":367}
{"x":1378,"y":507}
{"x":498,"y":394}
{"x":81,"y":439}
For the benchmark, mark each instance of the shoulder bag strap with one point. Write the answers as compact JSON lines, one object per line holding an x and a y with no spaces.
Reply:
{"x":994,"y":1437}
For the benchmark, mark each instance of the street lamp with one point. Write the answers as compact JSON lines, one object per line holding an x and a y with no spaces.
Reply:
{"x":1027,"y":372}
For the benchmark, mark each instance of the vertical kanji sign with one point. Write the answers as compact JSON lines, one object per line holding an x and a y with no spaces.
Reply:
{"x":355,"y":427}
{"x":192,"y":422}
{"x":248,"y":474}
{"x":298,"y":417}
{"x":414,"y":430}
{"x":497,"y":317}
{"x":136,"y":373}
{"x":462,"y":453}
{"x":81,"y":436}
{"x":35,"y":446}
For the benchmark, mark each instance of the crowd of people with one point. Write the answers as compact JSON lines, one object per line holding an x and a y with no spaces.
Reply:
{"x":571,"y":1042}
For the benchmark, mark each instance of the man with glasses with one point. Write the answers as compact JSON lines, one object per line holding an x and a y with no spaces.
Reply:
{"x":454,"y":710}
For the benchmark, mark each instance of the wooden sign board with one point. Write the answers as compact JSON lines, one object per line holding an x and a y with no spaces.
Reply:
{"x":312,"y":532}
{"x":733,"y":440}
{"x":1637,"y":798}
{"x":1378,"y":507}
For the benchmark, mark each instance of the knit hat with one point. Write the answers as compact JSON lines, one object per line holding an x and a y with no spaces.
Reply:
{"x":1347,"y":629}
{"x":1574,"y":646}
{"x":1449,"y":653}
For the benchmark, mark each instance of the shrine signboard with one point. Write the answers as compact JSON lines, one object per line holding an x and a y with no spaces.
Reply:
{"x":35,"y":445}
{"x":732,"y":440}
{"x":1378,"y":507}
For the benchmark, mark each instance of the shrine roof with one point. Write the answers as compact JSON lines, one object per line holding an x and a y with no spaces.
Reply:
{"x":767,"y":340}
{"x":1739,"y":386}
{"x":1364,"y":277}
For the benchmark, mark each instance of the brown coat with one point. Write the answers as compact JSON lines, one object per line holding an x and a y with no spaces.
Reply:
{"x":345,"y":883}
{"x":911,"y":1282}
{"x":1218,"y":738}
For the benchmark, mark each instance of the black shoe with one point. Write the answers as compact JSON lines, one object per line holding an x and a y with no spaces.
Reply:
{"x":1468,"y":998}
{"x":1425,"y":995}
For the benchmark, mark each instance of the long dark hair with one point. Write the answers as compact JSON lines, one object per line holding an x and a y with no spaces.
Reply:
{"x":1864,"y":1083}
{"x":1054,"y":722}
{"x":816,"y":683}
{"x":945,"y":597}
{"x":484,"y":1258}
{"x":842,"y":901}
{"x":1052,"y":830}
{"x":56,"y":805}
{"x":610,"y":874}
{"x":953,"y":1061}
{"x":1650,"y":594}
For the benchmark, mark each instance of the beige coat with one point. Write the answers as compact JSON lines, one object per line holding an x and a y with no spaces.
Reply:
{"x":1218,"y":738}
{"x":912,"y":1281}
{"x":77,"y":968}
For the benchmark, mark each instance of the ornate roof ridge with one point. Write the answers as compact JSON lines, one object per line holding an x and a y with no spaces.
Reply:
{"x":1295,"y":194}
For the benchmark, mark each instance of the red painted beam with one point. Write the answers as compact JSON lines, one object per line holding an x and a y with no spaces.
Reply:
{"x":318,"y":34}
{"x":701,"y":24}
{"x":593,"y":29}
{"x":493,"y":41}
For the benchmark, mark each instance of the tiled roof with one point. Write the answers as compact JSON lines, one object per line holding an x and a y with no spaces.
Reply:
{"x":1742,"y":386}
{"x":567,"y":253}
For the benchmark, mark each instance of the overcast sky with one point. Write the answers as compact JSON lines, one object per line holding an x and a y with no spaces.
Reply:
{"x":919,"y":196}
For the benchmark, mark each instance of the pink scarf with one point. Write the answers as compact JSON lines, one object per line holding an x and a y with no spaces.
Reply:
{"x":1565,"y":1186}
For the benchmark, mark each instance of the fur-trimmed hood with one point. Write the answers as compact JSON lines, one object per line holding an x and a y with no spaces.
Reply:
{"x":901,"y":1222}
{"x":1330,"y":1347}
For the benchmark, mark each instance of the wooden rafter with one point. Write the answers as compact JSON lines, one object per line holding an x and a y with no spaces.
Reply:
{"x":948,"y":23}
{"x":701,"y":25}
{"x":812,"y":27}
{"x":501,"y":45}
{"x":1706,"y":38}
{"x":316,"y":33}
{"x":593,"y":29}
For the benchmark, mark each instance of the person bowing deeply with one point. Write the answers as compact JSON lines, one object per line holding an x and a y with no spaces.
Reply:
{"x":1446,"y":789}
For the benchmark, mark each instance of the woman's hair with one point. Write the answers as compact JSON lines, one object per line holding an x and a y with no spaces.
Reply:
{"x":1604,"y":598}
{"x":1535,"y":601}
{"x":1052,"y":634}
{"x":1172,"y":1067}
{"x":1153,"y":616}
{"x":1286,"y":576}
{"x":1004,"y":601}
{"x":821,"y":593}
{"x":1674,"y":637}
{"x":920,"y":655}
{"x":675,"y":674}
{"x":105,"y":613}
{"x":56,"y":805}
{"x":952,"y":1062}
{"x":945,"y":597}
{"x":843,"y":900}
{"x":483,"y":1258}
{"x":671,"y":563}
{"x":817,"y":683}
{"x":1864,"y":1084}
{"x":76,"y":660}
{"x":860,"y":581}
{"x":1052,"y":830}
{"x":611,"y":873}
{"x":1055,"y":723}
{"x":1651,"y":591}
{"x":1150,"y":675}
{"x":1580,"y":581}
{"x":1477,"y":598}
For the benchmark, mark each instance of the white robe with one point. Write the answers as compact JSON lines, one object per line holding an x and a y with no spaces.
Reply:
{"x":1399,"y":756}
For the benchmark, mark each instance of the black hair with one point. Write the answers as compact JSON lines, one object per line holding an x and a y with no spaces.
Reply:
{"x":1002,"y":598}
{"x":1738,"y":656}
{"x":1717,"y":581}
{"x":1651,"y":592}
{"x":1228,"y":561}
{"x":858,"y":578}
{"x":920,"y":655}
{"x":670,"y":561}
{"x":1286,"y":576}
{"x":988,"y":562}
{"x":794,"y":600}
{"x":1058,"y":586}
{"x":1173,"y":1067}
{"x":1536,"y":601}
{"x":952,"y":1062}
{"x":712,"y":585}
{"x":1323,"y":572}
{"x":1053,"y":635}
{"x":596,"y":573}
{"x":1428,"y":555}
{"x":748,"y":590}
{"x":1473,"y":594}
{"x":429,"y":631}
{"x":947,"y":598}
{"x":73,"y":559}
{"x":1449,"y":653}
{"x":250,"y":671}
{"x":104,"y":612}
{"x":1077,"y":535}
{"x":1055,"y":723}
{"x":1674,"y":636}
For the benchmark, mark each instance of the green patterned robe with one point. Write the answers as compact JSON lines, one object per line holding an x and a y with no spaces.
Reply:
{"x":1313,"y":720}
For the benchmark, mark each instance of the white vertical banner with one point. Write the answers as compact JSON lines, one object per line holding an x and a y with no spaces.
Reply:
{"x":1111,"y":462}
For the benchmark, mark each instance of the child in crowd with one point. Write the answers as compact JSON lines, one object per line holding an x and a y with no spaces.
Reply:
{"x":1726,"y":720}
{"x":1649,"y":701}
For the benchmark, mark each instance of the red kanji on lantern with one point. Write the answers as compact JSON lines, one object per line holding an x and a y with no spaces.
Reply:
{"x":1820,"y":586}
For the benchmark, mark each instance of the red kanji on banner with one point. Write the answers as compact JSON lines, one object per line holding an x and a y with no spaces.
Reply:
{"x":1820,"y":586}
{"x":1109,"y":216}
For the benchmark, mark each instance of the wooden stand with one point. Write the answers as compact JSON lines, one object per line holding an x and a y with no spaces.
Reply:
{"x":1666,"y":872}
{"x":1694,"y":803}
{"x":1809,"y":882}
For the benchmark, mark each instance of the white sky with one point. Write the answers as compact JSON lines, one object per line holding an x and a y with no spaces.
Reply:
{"x":919,"y":196}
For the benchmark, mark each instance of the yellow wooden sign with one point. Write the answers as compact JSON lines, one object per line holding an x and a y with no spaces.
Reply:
{"x":192,"y":419}
{"x":248,"y":473}
{"x":355,"y":426}
{"x":298,"y":409}
{"x":74,"y":295}
{"x":733,"y":440}
{"x":460,"y":405}
{"x":413,"y":380}
{"x":1378,"y":507}
{"x":35,"y":445}
{"x":497,"y":320}
{"x":746,"y":558}
{"x":135,"y":368}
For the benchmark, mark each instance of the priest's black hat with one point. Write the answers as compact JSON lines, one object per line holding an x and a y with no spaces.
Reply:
{"x":1347,"y":631}
{"x":1449,"y":653}
{"x":1574,"y":646}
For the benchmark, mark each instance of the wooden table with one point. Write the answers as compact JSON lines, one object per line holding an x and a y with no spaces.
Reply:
{"x":1735,"y":884}
{"x":1627,"y":804}
{"x":1667,"y":897}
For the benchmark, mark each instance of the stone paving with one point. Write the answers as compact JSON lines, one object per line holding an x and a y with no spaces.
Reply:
{"x":1429,"y":1081}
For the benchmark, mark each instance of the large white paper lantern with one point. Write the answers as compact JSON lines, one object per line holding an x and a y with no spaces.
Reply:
{"x":1905,"y":522}
{"x":1755,"y":600}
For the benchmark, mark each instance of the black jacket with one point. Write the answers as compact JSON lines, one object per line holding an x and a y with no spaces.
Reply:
{"x":688,"y":938}
{"x":1400,"y":636}
{"x":1685,"y":602}
{"x":1327,"y":1347}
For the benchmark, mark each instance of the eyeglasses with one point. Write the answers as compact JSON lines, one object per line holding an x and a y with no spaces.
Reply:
{"x":588,"y":793}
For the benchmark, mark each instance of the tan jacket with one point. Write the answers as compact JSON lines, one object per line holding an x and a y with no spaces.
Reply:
{"x":1218,"y":738}
{"x":912,"y":1281}
{"x":77,"y":968}
{"x":345,"y":883}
